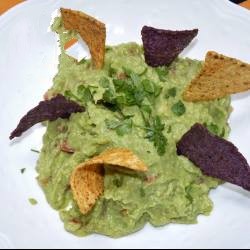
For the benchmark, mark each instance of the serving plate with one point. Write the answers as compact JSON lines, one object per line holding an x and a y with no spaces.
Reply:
{"x":28,"y":63}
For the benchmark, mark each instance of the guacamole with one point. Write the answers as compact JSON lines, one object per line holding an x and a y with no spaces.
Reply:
{"x":173,"y":190}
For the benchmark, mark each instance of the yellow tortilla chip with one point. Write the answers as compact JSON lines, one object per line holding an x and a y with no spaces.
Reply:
{"x":220,"y":77}
{"x":87,"y":183}
{"x":92,"y":31}
{"x":87,"y":180}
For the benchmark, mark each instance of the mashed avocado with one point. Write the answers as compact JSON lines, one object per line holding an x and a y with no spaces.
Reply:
{"x":174,"y":190}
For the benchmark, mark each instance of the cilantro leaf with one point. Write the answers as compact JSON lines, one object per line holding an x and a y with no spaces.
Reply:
{"x":85,"y":94}
{"x":109,"y":96}
{"x":121,"y":100}
{"x":23,"y":170}
{"x":84,"y":60}
{"x":35,"y":151}
{"x":158,"y":125}
{"x":135,"y":78}
{"x":132,"y":91}
{"x":179,"y":108}
{"x":171,"y":93}
{"x":69,"y":94}
{"x":112,"y":124}
{"x":125,"y":128}
{"x":147,"y":109}
{"x":213,"y":128}
{"x":104,"y":82}
{"x":148,"y":86}
{"x":139,"y":96}
{"x":162,"y":73}
{"x":155,"y":135}
{"x":158,"y":90}
{"x":120,"y":85}
{"x":33,"y":201}
{"x":121,"y":128}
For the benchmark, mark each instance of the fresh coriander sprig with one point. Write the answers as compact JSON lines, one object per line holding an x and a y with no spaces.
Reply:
{"x":84,"y":94}
{"x":121,"y":128}
{"x":132,"y":91}
{"x":155,"y":135}
{"x":171,"y":93}
{"x":179,"y":108}
{"x":35,"y":151}
{"x":162,"y":73}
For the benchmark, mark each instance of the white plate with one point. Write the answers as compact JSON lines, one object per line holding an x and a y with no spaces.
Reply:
{"x":27,"y":65}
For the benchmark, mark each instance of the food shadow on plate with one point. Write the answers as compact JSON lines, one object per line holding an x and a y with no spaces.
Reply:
{"x":236,"y":189}
{"x":241,"y":96}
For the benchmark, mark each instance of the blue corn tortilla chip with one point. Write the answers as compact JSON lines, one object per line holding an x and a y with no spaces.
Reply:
{"x":50,"y":110}
{"x":215,"y":156}
{"x":162,"y":47}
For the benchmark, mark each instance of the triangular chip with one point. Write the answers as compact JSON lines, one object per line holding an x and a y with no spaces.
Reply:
{"x":220,"y":77}
{"x":162,"y":47}
{"x":92,"y":31}
{"x":87,"y":180}
{"x":215,"y":156}
{"x":87,"y":183}
{"x":48,"y":110}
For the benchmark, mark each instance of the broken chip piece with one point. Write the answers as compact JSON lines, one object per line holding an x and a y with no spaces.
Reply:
{"x":215,"y":156}
{"x":92,"y":31}
{"x":50,"y":110}
{"x":87,"y":180}
{"x":220,"y":77}
{"x":162,"y":47}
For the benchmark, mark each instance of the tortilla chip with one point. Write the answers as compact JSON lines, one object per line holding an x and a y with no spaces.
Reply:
{"x":120,"y":157}
{"x":215,"y":156}
{"x":87,"y":183}
{"x":49,"y":110}
{"x":220,"y":77}
{"x":92,"y":31}
{"x":162,"y":47}
{"x":87,"y":180}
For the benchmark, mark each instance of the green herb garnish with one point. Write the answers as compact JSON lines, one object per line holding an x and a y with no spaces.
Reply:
{"x":104,"y":82}
{"x":213,"y":128}
{"x":171,"y":93}
{"x":84,"y":95}
{"x":155,"y":135}
{"x":162,"y":73}
{"x":122,"y":128}
{"x":35,"y":151}
{"x":33,"y":201}
{"x":84,"y":60}
{"x":179,"y":108}
{"x":23,"y":170}
{"x":148,"y":86}
{"x":133,"y":91}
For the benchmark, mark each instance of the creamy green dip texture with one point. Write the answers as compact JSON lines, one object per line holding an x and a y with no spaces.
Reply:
{"x":173,"y":190}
